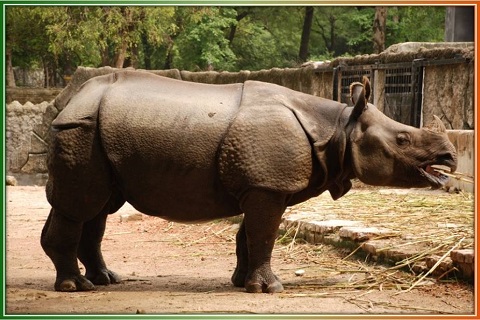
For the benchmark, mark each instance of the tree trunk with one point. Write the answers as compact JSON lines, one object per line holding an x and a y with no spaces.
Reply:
{"x":46,"y":75}
{"x":10,"y":74}
{"x":307,"y":28}
{"x":132,"y":59}
{"x":233,"y":28}
{"x":395,"y":18}
{"x":379,"y":26}
{"x":169,"y":58}
{"x":333,"y":36}
{"x":105,"y":53}
{"x":147,"y":52}
{"x":121,"y":54}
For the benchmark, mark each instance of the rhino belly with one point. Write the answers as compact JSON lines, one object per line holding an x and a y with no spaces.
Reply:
{"x":176,"y":194}
{"x":163,"y":149}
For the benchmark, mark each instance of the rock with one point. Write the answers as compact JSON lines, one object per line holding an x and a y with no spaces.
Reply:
{"x":42,"y":128}
{"x":464,"y":255}
{"x":137,"y":216}
{"x":463,"y":260}
{"x":37,"y":144}
{"x":331,"y":226}
{"x":444,"y":266}
{"x":11,"y":181}
{"x":35,"y":163}
{"x":299,"y":272}
{"x":362,"y":233}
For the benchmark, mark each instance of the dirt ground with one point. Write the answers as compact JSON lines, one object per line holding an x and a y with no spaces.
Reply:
{"x":174,"y":268}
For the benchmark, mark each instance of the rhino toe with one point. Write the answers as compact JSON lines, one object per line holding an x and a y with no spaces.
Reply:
{"x":104,"y":277}
{"x":256,"y":287}
{"x":269,"y":284}
{"x":77,"y":283}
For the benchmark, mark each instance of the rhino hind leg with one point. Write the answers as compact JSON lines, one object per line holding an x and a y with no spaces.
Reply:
{"x":263,"y":211}
{"x":59,"y":239}
{"x":89,"y":249}
{"x":64,"y":240}
{"x":81,"y":190}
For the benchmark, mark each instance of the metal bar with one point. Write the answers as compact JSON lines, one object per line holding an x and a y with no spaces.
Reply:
{"x":336,"y":72}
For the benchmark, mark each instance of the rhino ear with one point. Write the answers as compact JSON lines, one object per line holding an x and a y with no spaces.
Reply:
{"x":357,"y":95}
{"x":368,"y":89}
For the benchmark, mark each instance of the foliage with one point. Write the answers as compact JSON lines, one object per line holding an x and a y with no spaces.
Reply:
{"x":60,"y":38}
{"x":343,"y":30}
{"x":407,"y":24}
{"x":201,"y":43}
{"x":26,"y":37}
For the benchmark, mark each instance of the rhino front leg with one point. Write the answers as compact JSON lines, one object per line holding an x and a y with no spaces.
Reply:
{"x":60,"y":238}
{"x":263,"y":211}
{"x":90,"y":254}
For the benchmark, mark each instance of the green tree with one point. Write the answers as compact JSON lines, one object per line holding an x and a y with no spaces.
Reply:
{"x":201,"y":42}
{"x":106,"y":35}
{"x":413,"y":23}
{"x":27,"y":42}
{"x":60,"y":38}
{"x":341,"y":31}
{"x":268,"y":37}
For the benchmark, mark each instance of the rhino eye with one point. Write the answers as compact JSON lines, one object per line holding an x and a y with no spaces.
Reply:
{"x":403,"y":139}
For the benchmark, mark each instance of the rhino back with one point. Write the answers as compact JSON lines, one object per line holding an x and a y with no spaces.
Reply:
{"x":161,"y":136}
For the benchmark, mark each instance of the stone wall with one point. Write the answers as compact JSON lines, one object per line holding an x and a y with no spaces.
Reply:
{"x":33,"y":95}
{"x":29,"y":78}
{"x":464,"y":142}
{"x":25,"y":149}
{"x":448,"y":93}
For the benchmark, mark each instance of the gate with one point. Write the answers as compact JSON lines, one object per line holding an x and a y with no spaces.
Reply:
{"x":403,"y":86}
{"x":403,"y":92}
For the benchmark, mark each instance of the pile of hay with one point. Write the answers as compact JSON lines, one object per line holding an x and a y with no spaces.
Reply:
{"x":433,"y":223}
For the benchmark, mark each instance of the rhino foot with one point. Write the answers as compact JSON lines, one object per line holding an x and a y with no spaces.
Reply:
{"x":103,"y":277}
{"x":75,"y":283}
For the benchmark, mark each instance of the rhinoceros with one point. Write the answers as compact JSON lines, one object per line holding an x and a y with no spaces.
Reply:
{"x":191,"y":152}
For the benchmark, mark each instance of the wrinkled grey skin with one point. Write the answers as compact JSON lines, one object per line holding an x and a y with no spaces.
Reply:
{"x":192,"y":152}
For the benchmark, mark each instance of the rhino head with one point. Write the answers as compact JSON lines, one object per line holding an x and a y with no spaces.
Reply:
{"x":387,"y":153}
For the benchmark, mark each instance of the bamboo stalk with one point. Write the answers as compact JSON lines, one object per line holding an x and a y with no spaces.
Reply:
{"x":456,"y":175}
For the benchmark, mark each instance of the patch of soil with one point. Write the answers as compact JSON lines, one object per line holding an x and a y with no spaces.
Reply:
{"x":175,"y":268}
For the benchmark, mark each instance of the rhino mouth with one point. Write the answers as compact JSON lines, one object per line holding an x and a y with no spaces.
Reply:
{"x":434,"y":174}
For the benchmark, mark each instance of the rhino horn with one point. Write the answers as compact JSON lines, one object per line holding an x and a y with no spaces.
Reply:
{"x":436,"y":125}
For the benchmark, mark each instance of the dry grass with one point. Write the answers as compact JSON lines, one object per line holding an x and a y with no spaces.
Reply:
{"x":433,"y":222}
{"x":434,"y":219}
